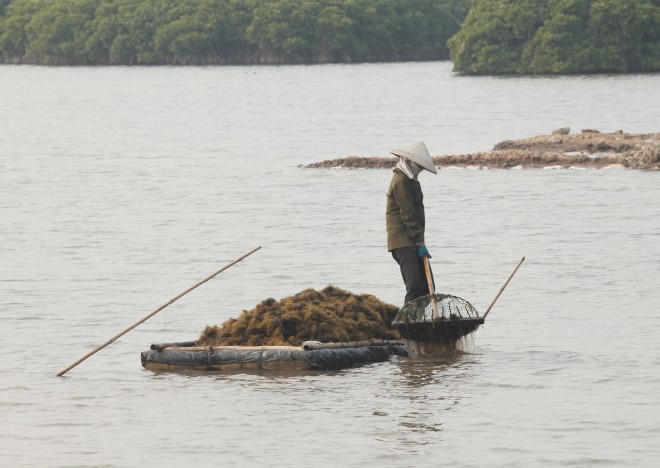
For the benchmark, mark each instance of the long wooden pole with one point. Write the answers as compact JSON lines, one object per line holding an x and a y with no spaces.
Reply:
{"x":147,"y":317}
{"x":429,"y":279}
{"x":502,"y":288}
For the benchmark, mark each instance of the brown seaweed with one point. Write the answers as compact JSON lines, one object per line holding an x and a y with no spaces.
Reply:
{"x":329,"y":315}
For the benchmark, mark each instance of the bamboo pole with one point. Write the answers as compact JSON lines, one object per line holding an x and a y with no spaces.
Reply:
{"x":148,"y":316}
{"x":429,"y":279}
{"x":502,"y":288}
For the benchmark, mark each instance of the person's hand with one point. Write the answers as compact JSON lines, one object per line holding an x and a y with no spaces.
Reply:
{"x":423,"y":251}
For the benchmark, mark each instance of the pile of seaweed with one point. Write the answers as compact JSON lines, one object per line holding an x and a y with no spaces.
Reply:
{"x":329,"y":315}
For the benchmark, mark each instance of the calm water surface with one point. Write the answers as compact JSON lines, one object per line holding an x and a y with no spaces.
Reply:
{"x":121,"y":187}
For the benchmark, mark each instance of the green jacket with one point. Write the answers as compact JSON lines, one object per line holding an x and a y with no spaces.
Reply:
{"x":404,"y":214}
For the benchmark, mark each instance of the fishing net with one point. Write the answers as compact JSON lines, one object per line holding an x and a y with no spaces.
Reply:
{"x":429,"y":326}
{"x":448,"y":308}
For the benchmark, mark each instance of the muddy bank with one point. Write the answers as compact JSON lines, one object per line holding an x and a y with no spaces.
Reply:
{"x":587,"y":149}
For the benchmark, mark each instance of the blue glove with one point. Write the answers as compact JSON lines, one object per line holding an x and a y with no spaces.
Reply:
{"x":423,"y":251}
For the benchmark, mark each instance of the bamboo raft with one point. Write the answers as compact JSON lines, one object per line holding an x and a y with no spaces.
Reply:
{"x":422,"y":328}
{"x":312,"y":355}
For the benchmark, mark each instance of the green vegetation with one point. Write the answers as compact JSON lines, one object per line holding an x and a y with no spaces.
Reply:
{"x":558,"y":36}
{"x":72,"y":32}
{"x":496,"y":37}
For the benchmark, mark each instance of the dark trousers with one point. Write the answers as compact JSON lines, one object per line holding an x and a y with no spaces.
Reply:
{"x":412,"y":272}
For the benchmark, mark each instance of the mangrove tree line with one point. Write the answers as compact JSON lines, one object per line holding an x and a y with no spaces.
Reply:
{"x":558,"y":36}
{"x":76,"y":32}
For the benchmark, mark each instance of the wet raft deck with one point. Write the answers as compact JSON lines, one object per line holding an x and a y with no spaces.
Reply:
{"x":312,"y":355}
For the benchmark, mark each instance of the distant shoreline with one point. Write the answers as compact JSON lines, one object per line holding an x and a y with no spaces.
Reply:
{"x":265,"y":62}
{"x":217,"y":32}
{"x":588,"y":149}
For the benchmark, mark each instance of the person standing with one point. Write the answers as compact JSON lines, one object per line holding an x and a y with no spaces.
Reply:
{"x":405,"y":220}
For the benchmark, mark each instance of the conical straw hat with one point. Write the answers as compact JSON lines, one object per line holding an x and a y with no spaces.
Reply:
{"x":417,"y":153}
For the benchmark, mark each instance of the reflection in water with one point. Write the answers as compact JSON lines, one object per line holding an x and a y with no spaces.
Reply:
{"x":425,"y":387}
{"x":431,"y":369}
{"x":268,"y":374}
